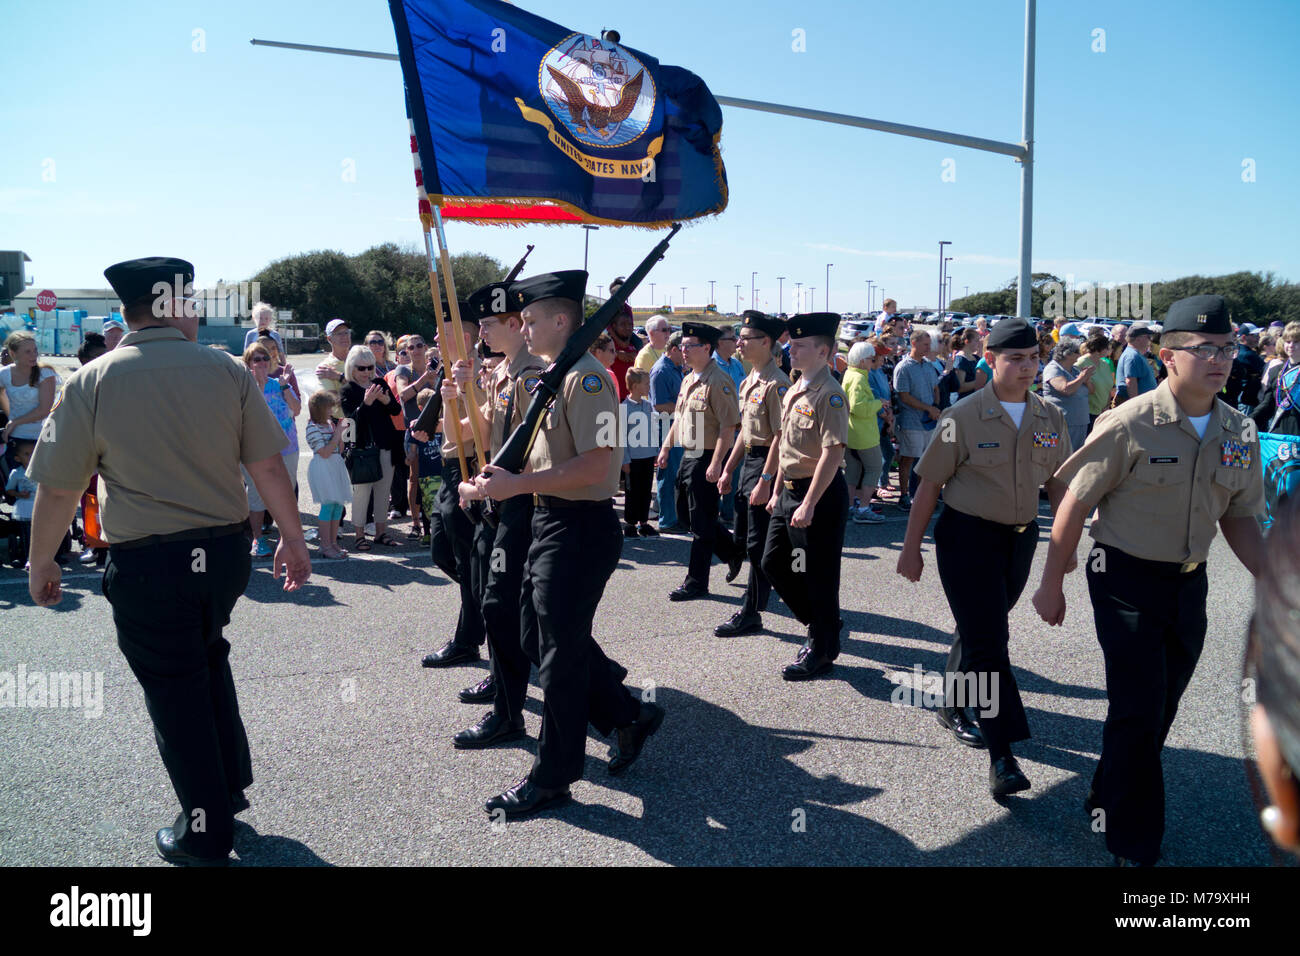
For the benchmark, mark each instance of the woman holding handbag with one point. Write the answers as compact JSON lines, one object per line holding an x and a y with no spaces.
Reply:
{"x":369,"y":402}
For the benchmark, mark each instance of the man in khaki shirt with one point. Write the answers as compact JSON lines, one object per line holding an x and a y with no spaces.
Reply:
{"x":704,"y":423}
{"x":572,"y":475}
{"x":166,"y":423}
{"x":990,"y":455}
{"x":501,"y":540}
{"x":1160,"y":470}
{"x":761,"y":396}
{"x":801,"y":556}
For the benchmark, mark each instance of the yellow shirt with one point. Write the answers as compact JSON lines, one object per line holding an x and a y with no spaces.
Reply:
{"x":646,"y":358}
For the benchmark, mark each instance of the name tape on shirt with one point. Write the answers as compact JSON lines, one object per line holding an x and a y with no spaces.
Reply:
{"x":1162,"y":460}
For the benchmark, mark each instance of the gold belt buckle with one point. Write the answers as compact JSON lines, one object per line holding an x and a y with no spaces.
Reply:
{"x":1189,"y":566}
{"x":789,"y":485}
{"x":1021,"y":527}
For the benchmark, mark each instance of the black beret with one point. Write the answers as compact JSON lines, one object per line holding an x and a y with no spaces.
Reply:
{"x":1198,"y":313}
{"x":568,"y":284}
{"x":813,"y":323}
{"x":1012,"y":334}
{"x":136,"y":279}
{"x":705,"y":333}
{"x":763,"y":323}
{"x":492,"y":299}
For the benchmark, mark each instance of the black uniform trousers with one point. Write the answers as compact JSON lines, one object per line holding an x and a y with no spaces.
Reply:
{"x":809,"y":581}
{"x":573,"y":554}
{"x":698,"y":497}
{"x":983,"y":566}
{"x":503,"y":583}
{"x":170,"y":601}
{"x":458,"y":528}
{"x":640,"y":476}
{"x":751,"y":530}
{"x":1151,"y":623}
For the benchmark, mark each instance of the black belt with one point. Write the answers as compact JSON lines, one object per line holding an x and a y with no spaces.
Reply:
{"x":1147,"y":564}
{"x":754,"y":450}
{"x":797,"y":484}
{"x":194,"y":534}
{"x":550,"y":502}
{"x":998,"y":525}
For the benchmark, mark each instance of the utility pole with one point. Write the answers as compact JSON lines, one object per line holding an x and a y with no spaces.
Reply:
{"x":828,"y":285}
{"x":942,"y":243}
{"x":780,"y":294}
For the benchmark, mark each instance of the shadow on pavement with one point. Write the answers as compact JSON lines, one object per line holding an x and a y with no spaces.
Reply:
{"x":254,"y":849}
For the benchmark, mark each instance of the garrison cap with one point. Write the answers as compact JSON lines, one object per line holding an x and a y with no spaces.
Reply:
{"x":813,"y":323}
{"x":1014,"y":333}
{"x":1198,"y":313}
{"x":705,"y":333}
{"x":492,"y":299}
{"x":568,"y":284}
{"x":135,"y":279}
{"x":764,"y":323}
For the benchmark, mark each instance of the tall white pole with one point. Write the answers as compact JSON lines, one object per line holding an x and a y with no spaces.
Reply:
{"x":1024,"y":288}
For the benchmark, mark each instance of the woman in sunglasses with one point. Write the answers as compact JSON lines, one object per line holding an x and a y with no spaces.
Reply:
{"x":377,"y":342}
{"x":368,"y":401}
{"x":285,"y":406}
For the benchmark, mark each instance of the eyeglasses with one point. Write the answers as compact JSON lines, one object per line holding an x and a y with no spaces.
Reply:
{"x":376,"y":342}
{"x":1208,"y":353}
{"x":752,"y":338}
{"x":417,"y":345}
{"x":695,"y":345}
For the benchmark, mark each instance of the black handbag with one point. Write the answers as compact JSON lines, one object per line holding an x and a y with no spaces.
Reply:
{"x":364,"y":466}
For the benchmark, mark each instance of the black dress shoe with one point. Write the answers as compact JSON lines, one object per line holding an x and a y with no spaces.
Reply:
{"x":450,"y":654}
{"x":807,"y":666}
{"x":526,"y":798}
{"x":165,"y":842}
{"x":1006,"y":778}
{"x":734,"y":566}
{"x":629,"y":531}
{"x":628,"y":741}
{"x":484,"y":692}
{"x":492,"y":729}
{"x":684,"y":593}
{"x":647,"y":531}
{"x":738,"y":624}
{"x":962,"y":728}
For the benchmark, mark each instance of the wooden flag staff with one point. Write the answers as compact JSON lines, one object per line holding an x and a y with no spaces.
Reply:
{"x":473,"y":397}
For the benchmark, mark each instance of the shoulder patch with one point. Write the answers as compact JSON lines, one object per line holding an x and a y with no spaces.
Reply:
{"x":591,"y":384}
{"x":531,"y":383}
{"x":726,"y":390}
{"x":781,"y":390}
{"x":837,"y":401}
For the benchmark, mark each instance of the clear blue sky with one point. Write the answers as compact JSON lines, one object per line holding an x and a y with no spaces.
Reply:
{"x":234,"y":156}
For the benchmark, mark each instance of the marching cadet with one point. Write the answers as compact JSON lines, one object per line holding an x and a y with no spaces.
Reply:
{"x":705,"y":421}
{"x":454,"y":521}
{"x":166,"y":423}
{"x":1161,"y":470}
{"x":501,"y":547}
{"x":801,"y":556}
{"x":991,"y":453}
{"x":576,"y":544}
{"x":761,"y":394}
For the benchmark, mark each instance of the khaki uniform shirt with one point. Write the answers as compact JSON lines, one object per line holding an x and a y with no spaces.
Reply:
{"x":815,"y":416}
{"x":706,"y":406}
{"x":166,"y":423}
{"x":761,"y":394}
{"x":583,"y":416}
{"x":989,"y":468}
{"x":1159,"y":489}
{"x":521,"y":378}
{"x":448,"y":428}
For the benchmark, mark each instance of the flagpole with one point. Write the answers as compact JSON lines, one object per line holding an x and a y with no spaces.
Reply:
{"x":477,"y":423}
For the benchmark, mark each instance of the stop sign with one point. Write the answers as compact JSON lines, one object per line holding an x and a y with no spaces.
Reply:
{"x":46,"y":300}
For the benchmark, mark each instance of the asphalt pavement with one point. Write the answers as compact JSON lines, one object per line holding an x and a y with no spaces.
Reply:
{"x":351,"y":738}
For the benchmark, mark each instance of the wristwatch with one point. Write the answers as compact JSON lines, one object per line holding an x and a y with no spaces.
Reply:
{"x":766,"y":477}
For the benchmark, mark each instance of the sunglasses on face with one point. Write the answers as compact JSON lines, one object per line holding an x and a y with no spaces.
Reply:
{"x":376,"y":342}
{"x":259,"y":360}
{"x":365,"y":368}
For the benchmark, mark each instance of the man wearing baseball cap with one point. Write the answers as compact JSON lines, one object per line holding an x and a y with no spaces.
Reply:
{"x":1242,"y":390}
{"x":1133,"y":374}
{"x":114,"y":329}
{"x":330,"y":372}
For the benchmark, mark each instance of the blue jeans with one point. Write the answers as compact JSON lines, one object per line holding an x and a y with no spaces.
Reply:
{"x":887,"y":454}
{"x":666,"y":488}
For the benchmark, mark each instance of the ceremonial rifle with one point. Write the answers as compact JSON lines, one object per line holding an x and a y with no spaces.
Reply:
{"x":514,"y":453}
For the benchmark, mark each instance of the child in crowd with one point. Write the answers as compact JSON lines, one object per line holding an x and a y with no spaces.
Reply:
{"x":429,"y":462}
{"x":639,"y":453}
{"x":327,"y":475}
{"x":24,"y":491}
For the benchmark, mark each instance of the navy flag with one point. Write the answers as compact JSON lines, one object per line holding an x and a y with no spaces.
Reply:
{"x":521,"y":120}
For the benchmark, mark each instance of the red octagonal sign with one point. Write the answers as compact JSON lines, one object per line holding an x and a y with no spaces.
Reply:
{"x":46,"y":300}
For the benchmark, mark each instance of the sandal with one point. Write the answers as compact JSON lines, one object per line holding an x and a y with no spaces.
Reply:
{"x":363,"y":544}
{"x":388,"y":541}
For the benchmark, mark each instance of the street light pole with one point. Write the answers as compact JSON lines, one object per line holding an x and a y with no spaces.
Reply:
{"x":652,"y":295}
{"x":869,"y":285}
{"x":812,"y":295}
{"x":752,"y":277}
{"x":948,"y":281}
{"x":798,"y":296}
{"x":780,"y":294}
{"x":683,"y":295}
{"x":942,"y":243}
{"x":712,"y":301}
{"x":586,"y":240}
{"x":737,"y":298}
{"x":828,"y":285}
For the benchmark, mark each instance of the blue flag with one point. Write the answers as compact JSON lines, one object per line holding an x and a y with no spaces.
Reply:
{"x":518,"y":119}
